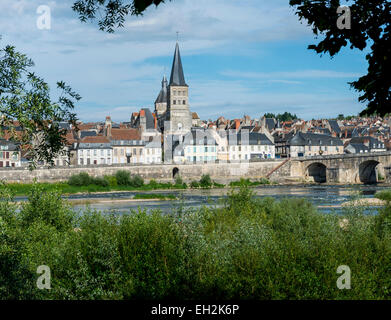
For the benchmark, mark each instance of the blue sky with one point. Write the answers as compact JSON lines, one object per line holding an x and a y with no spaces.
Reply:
{"x":239,"y":57}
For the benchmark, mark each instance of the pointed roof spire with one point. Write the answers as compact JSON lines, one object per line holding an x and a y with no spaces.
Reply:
{"x":164,"y":82}
{"x":177,"y":78}
{"x":162,"y":97}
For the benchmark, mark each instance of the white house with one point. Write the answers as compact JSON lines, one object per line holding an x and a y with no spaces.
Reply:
{"x":245,"y":146}
{"x":94,"y":150}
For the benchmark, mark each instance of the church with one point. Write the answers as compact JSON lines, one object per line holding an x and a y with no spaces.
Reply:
{"x":172,"y":104}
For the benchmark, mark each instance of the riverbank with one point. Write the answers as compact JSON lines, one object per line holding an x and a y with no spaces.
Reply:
{"x":96,"y":186}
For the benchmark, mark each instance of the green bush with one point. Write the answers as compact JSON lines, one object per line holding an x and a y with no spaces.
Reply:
{"x":136,"y":181}
{"x":112,"y":180}
{"x":264,"y":181}
{"x":178,"y":180}
{"x":205,"y":181}
{"x":153,"y":184}
{"x":81,"y":179}
{"x":152,"y":252}
{"x":47,"y":207}
{"x":123,"y":178}
{"x":384,"y":195}
{"x":195,"y":184}
{"x":100,"y":182}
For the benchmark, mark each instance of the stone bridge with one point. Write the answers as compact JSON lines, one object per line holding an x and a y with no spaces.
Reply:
{"x":346,"y":168}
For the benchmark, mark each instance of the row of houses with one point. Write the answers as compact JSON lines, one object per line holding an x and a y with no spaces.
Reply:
{"x":140,"y":142}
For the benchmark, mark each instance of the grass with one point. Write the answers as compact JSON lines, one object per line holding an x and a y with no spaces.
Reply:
{"x":247,"y":182}
{"x":246,"y":248}
{"x":384,"y":195}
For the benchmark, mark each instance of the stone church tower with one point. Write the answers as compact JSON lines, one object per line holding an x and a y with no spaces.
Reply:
{"x":172,"y":104}
{"x":178,"y":113}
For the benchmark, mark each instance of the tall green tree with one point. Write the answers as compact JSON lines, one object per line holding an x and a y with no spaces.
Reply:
{"x":28,"y":115}
{"x":370,"y":28}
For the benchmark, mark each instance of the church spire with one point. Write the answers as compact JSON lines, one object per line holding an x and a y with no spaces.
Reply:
{"x":177,"y":78}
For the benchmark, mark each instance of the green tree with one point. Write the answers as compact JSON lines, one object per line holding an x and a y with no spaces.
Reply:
{"x":28,"y":115}
{"x":115,"y":11}
{"x":370,"y":29}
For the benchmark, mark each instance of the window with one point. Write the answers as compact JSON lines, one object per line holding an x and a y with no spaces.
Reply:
{"x":184,"y":101}
{"x":174,"y":102}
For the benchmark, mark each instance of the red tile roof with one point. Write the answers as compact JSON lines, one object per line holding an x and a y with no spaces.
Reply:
{"x":125,"y":134}
{"x":95,"y":139}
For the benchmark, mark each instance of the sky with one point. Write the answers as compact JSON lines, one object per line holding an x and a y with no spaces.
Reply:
{"x":240,"y":57}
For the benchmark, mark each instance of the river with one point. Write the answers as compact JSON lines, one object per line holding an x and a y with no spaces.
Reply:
{"x":327,"y":198}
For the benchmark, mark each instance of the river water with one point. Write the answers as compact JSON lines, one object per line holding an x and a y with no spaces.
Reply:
{"x":326,"y":197}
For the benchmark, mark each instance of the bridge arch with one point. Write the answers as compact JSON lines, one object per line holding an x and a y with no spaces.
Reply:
{"x":318,"y":171}
{"x":368,"y":171}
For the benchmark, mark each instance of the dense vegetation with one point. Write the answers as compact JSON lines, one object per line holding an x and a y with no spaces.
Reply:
{"x":122,"y":181}
{"x":249,"y":248}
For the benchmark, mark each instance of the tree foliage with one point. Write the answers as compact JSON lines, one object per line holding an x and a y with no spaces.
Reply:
{"x":286,"y":116}
{"x":114,"y":11}
{"x":370,"y":29}
{"x":28,"y":115}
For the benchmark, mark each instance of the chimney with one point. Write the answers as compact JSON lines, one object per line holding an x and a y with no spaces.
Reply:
{"x":108,"y":125}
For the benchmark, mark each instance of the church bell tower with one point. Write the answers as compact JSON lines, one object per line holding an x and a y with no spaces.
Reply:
{"x":178,"y":112}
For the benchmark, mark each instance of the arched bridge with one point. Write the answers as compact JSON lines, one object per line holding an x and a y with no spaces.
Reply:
{"x":345,"y":168}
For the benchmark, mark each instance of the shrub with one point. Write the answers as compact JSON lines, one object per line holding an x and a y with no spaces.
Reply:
{"x":112,"y":180}
{"x":153,"y":184}
{"x":384,"y":195}
{"x":178,"y":180}
{"x":241,"y":182}
{"x":123,"y":178}
{"x":47,"y":207}
{"x":264,"y":181}
{"x":152,"y":253}
{"x":99,"y":181}
{"x":136,"y":181}
{"x":194,"y":184}
{"x":205,"y":181}
{"x":81,"y":179}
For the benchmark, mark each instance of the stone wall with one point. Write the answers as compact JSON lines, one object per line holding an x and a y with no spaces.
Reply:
{"x":217,"y":171}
